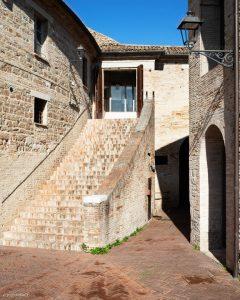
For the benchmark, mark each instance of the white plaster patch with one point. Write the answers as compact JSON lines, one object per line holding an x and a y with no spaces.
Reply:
{"x":94,"y":199}
{"x":120,"y":115}
{"x":115,"y":64}
{"x":40,"y":95}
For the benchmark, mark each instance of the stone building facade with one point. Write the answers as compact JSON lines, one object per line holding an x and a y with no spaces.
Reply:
{"x":77,"y":135}
{"x":53,"y":76}
{"x":212,"y":141}
{"x":33,"y":84}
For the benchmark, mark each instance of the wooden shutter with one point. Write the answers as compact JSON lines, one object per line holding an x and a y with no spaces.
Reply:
{"x":99,"y":94}
{"x":139,"y":89}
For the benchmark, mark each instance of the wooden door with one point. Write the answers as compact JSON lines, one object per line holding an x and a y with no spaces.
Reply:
{"x":99,"y":93}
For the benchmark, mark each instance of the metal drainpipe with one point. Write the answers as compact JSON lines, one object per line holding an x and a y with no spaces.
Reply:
{"x":236,"y":177}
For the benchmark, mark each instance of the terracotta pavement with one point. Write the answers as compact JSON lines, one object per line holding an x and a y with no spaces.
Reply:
{"x":159,"y":263}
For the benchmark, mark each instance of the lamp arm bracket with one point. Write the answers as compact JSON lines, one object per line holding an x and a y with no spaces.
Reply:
{"x":222,"y":57}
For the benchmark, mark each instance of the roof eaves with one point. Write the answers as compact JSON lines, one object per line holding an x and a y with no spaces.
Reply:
{"x":78,"y":20}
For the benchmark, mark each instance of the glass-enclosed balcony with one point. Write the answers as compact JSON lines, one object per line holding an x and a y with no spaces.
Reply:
{"x":120,"y":91}
{"x":122,"y":99}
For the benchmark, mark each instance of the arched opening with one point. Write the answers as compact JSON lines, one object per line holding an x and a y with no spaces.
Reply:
{"x":213,"y":194}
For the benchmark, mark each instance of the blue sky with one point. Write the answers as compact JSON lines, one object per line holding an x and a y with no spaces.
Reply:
{"x":133,"y":21}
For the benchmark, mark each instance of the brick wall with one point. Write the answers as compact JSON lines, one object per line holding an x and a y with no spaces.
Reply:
{"x":211,"y":103}
{"x":121,"y":203}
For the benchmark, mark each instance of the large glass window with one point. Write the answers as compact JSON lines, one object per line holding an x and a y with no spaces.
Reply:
{"x":122,"y":98}
{"x":120,"y":91}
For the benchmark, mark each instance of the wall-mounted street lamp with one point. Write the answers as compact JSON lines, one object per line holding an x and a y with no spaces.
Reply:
{"x":81,"y":52}
{"x":189,"y":27}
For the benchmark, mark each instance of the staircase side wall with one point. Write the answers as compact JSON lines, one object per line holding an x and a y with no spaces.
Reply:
{"x":121,"y":204}
{"x":24,"y":192}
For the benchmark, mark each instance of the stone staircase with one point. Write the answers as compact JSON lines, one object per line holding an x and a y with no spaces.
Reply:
{"x":53,"y":219}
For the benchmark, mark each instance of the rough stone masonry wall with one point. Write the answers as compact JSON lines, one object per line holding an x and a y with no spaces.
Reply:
{"x":171,"y":88}
{"x":25,"y":191}
{"x":56,"y":77}
{"x":121,"y":203}
{"x":211,"y":102}
{"x":29,"y":75}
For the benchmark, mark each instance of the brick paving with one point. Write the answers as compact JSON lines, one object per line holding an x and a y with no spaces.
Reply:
{"x":159,"y":263}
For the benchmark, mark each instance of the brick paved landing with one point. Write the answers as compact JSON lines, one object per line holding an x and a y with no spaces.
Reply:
{"x":157,"y":264}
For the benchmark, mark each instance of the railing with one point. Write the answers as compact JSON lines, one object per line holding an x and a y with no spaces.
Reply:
{"x":124,"y":103}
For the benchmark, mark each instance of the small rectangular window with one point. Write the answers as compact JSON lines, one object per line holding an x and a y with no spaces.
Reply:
{"x":40,"y":111}
{"x":161,"y":160}
{"x":40,"y":33}
{"x":159,"y":65}
{"x":85,"y":71}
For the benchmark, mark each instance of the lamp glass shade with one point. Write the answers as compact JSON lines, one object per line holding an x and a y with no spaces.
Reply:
{"x":190,"y":22}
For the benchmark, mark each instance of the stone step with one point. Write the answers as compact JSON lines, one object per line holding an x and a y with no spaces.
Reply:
{"x":51,"y":209}
{"x":54,"y":218}
{"x":64,"y":192}
{"x":42,"y":244}
{"x":60,"y":199}
{"x":53,"y":229}
{"x":57,"y":202}
{"x":71,"y":181}
{"x":48,"y":222}
{"x":50,"y":216}
{"x":98,"y":161}
{"x":48,"y":237}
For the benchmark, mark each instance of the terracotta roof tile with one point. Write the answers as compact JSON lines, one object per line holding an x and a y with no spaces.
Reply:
{"x":109,"y":45}
{"x":101,"y":39}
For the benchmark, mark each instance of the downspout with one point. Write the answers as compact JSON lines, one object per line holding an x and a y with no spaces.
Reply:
{"x":236,"y":175}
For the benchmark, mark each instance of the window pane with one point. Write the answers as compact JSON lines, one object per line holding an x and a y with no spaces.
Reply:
{"x":117,"y":92}
{"x":129,"y":92}
{"x":129,"y":96}
{"x":118,"y":96}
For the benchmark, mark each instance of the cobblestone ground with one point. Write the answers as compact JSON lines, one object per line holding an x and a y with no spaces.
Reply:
{"x":159,"y":263}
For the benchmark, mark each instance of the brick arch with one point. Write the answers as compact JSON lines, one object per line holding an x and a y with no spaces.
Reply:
{"x":212,"y":193}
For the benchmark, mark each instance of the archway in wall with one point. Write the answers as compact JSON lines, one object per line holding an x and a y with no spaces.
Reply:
{"x":213,"y":194}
